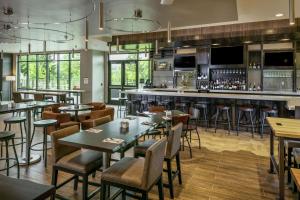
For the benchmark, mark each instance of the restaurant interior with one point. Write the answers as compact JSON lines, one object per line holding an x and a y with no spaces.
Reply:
{"x":149,"y":99}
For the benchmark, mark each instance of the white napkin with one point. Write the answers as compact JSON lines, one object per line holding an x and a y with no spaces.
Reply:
{"x":113,"y":140}
{"x":93,"y":130}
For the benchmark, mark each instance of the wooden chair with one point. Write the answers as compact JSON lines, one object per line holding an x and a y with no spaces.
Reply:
{"x":90,"y":123}
{"x":73,"y":160}
{"x":156,"y":109}
{"x":172,"y":151}
{"x":184,"y":119}
{"x":137,"y":174}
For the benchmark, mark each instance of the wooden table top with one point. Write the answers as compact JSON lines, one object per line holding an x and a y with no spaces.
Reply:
{"x":94,"y":141}
{"x":11,"y":188}
{"x":24,"y":106}
{"x":76,"y":108}
{"x":53,"y":93}
{"x":285,"y":127}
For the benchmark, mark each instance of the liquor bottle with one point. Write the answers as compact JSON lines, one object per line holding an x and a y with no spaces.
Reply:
{"x":254,"y":87}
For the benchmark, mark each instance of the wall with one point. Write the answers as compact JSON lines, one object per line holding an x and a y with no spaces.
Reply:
{"x":92,"y":68}
{"x":6,"y":69}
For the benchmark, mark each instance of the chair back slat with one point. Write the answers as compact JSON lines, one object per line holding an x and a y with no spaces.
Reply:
{"x":60,"y":150}
{"x":153,"y":163}
{"x":173,"y":141}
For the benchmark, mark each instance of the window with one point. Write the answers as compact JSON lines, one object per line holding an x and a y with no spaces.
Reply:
{"x":49,"y":71}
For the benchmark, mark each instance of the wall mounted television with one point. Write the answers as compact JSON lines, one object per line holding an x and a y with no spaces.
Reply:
{"x":227,"y":55}
{"x":185,"y":62}
{"x":284,"y":59}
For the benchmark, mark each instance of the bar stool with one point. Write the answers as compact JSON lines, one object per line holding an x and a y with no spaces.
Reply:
{"x":16,"y":120}
{"x":266,"y":112}
{"x":242,"y":112}
{"x":202,"y":106}
{"x":183,"y":106}
{"x":43,"y":124}
{"x":6,"y":137}
{"x":221,"y":109}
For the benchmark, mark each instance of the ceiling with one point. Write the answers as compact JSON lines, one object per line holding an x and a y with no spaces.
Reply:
{"x":182,"y":14}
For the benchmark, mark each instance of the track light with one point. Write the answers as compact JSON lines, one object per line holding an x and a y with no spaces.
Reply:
{"x":292,"y":11}
{"x":118,"y":46}
{"x":169,"y":33}
{"x":86,"y":29}
{"x":156,"y":47}
{"x":101,"y":15}
{"x":44,"y":46}
{"x":86,"y":45}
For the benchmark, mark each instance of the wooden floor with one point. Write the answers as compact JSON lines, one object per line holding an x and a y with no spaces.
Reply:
{"x":226,"y":167}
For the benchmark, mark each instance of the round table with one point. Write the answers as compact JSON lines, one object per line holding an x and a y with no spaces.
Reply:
{"x":75,"y":109}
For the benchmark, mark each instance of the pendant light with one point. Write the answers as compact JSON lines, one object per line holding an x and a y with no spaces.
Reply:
{"x":169,"y":32}
{"x":156,"y":47}
{"x":2,"y":54}
{"x":29,"y":48}
{"x":44,"y":46}
{"x":292,"y":12}
{"x":101,"y":15}
{"x":73,"y":53}
{"x":109,"y":48}
{"x":118,"y":45}
{"x":86,"y":29}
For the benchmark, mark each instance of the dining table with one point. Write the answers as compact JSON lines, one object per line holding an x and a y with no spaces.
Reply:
{"x":76,"y":109}
{"x":26,"y":107}
{"x":283,"y":129}
{"x":105,"y":140}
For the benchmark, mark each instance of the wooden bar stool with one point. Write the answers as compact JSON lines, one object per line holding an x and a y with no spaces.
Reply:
{"x":203,"y":116}
{"x":242,"y":112}
{"x":221,"y":109}
{"x":43,"y":124}
{"x":266,"y":112}
{"x":6,"y":137}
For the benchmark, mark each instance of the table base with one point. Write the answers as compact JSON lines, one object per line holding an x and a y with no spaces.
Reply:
{"x":33,"y":159}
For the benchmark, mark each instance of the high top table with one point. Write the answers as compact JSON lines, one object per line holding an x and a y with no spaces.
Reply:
{"x":94,"y":141}
{"x":283,"y":129}
{"x":27,"y":107}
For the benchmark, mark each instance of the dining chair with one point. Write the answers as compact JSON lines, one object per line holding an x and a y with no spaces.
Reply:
{"x":184,"y":119}
{"x":90,"y":123}
{"x":172,"y":151}
{"x":136,"y":174}
{"x":80,"y":163}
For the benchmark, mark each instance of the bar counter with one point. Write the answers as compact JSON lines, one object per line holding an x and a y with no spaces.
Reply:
{"x":291,"y":99}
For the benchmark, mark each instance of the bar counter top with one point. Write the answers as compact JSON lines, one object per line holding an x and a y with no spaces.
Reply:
{"x":292,"y":99}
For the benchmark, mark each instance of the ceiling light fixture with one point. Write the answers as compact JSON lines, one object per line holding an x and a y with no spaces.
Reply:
{"x":29,"y":48}
{"x":166,"y":2}
{"x":169,"y":32}
{"x":215,"y":44}
{"x":101,"y":15}
{"x":279,"y":15}
{"x":86,"y":30}
{"x":285,"y":39}
{"x":292,"y":11}
{"x":156,"y":47}
{"x":118,"y":45}
{"x":247,"y":42}
{"x":44,"y":46}
{"x":2,"y":55}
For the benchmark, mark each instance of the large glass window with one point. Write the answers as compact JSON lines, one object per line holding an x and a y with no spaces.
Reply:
{"x":49,"y":71}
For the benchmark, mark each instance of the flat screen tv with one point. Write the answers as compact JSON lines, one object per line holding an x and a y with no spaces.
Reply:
{"x":184,"y":62}
{"x":227,"y":55}
{"x":279,"y":59}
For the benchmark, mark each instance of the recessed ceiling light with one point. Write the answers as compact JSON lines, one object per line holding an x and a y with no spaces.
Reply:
{"x":215,"y":44}
{"x":186,"y":46}
{"x":279,"y":15}
{"x":248,"y":42}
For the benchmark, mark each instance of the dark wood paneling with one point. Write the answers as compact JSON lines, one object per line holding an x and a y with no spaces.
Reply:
{"x":265,"y":30}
